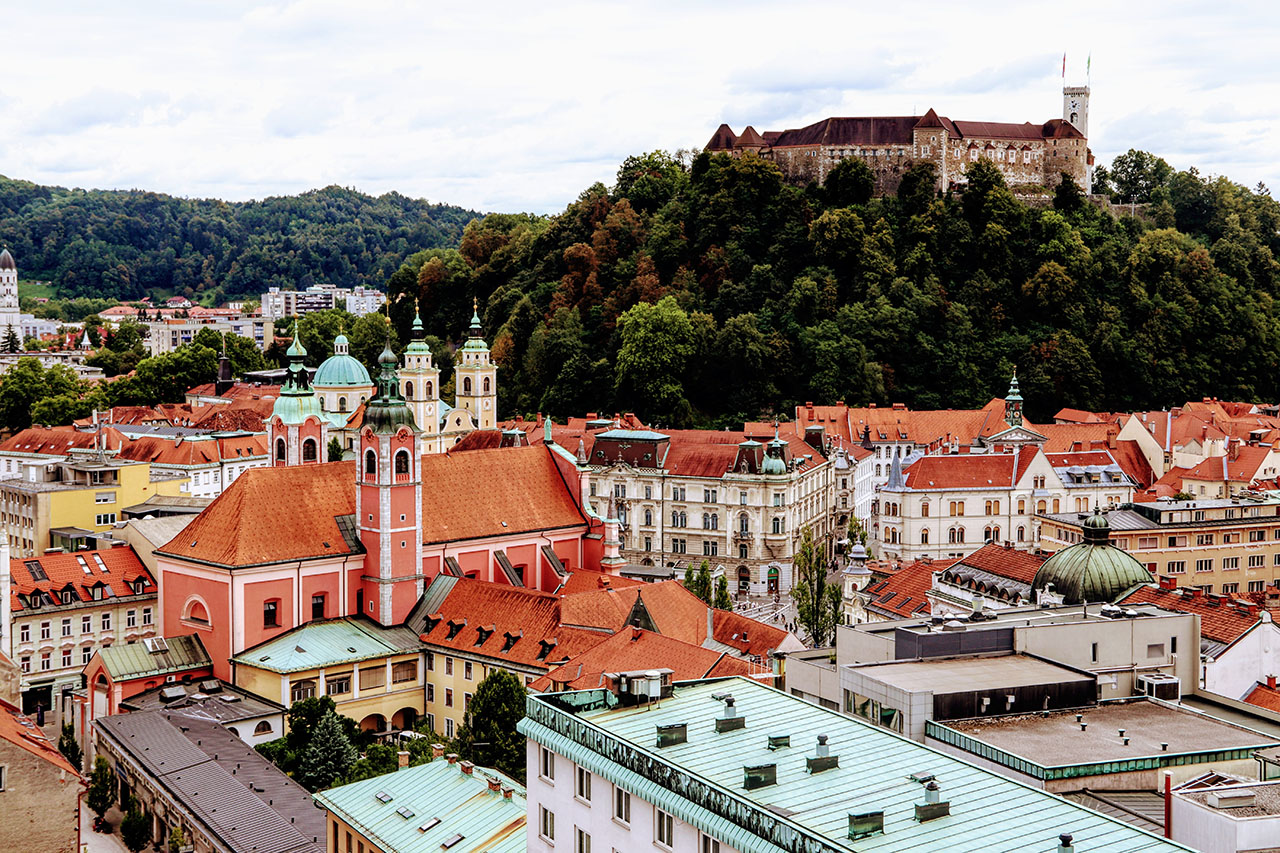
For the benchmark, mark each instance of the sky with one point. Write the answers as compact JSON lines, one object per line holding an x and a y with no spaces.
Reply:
{"x":501,"y":106}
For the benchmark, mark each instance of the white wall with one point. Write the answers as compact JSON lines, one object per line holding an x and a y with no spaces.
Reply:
{"x":1253,"y":657}
{"x":1210,"y":831}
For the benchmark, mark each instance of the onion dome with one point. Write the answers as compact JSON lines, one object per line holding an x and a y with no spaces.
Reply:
{"x":341,"y":370}
{"x":297,"y":400}
{"x":774,"y":463}
{"x":388,"y":412}
{"x":6,"y":260}
{"x":418,"y":338}
{"x":1093,"y":570}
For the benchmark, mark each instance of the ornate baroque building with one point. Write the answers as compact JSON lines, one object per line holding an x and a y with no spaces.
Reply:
{"x":1027,"y":154}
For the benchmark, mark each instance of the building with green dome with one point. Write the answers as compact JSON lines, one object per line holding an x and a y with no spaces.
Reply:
{"x":298,"y":429}
{"x":341,"y":382}
{"x":1093,"y":570}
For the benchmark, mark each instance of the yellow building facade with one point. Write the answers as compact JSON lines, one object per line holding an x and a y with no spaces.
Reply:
{"x":373,"y":674}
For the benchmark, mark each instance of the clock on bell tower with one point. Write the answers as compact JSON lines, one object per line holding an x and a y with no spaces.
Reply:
{"x":1075,"y":107}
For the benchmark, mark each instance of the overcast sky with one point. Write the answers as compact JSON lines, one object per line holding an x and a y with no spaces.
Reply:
{"x":521,"y":106}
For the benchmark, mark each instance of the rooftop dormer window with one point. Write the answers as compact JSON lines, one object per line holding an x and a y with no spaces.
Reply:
{"x":455,"y":627}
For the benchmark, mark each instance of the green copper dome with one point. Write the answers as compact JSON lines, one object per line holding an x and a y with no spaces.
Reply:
{"x":773,"y":461}
{"x":388,"y":411}
{"x":1093,"y":570}
{"x":417,"y":339}
{"x":341,"y":370}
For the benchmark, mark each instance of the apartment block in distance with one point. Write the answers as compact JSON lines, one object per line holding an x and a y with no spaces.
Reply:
{"x":1226,"y":545}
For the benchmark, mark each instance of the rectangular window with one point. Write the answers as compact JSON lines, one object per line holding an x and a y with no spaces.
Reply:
{"x":466,"y":701}
{"x":1207,"y":565}
{"x":66,"y":627}
{"x":546,"y":764}
{"x":1257,"y":561}
{"x":664,"y":829}
{"x":317,"y":607}
{"x":146,"y":616}
{"x":448,"y":728}
{"x":448,"y":665}
{"x":1093,"y":652}
{"x":1257,"y":586}
{"x":582,"y":783}
{"x":24,"y":632}
{"x":546,"y":824}
{"x":337,"y":685}
{"x":1230,"y":563}
{"x":1177,"y":567}
{"x":104,"y":498}
{"x":270,"y":616}
{"x":106,"y":621}
{"x":431,"y":662}
{"x":1230,"y":588}
{"x":707,"y":844}
{"x":467,"y":671}
{"x":405,"y":670}
{"x":581,"y":842}
{"x":45,"y":631}
{"x":1148,"y":542}
{"x":431,"y":692}
{"x":26,"y":664}
{"x":1204,"y":538}
{"x":106,"y":518}
{"x":448,"y":697}
{"x":44,"y":662}
{"x":372,"y":677}
{"x":131,"y":619}
{"x":86,"y":653}
{"x":66,"y":657}
{"x":1257,"y":535}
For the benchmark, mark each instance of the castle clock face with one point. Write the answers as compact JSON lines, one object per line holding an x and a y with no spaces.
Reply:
{"x":1075,"y":105}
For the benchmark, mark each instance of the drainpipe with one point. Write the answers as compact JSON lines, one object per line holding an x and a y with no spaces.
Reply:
{"x":1168,"y":805}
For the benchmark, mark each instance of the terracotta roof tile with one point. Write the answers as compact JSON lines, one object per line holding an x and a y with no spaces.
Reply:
{"x":1221,"y":620}
{"x":1009,"y":563}
{"x":23,"y":733}
{"x":636,"y":649}
{"x":119,"y":568}
{"x":905,"y":592}
{"x":1264,"y":697}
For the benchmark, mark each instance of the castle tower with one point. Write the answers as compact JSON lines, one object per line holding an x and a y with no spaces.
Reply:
{"x":1013,"y":403}
{"x":476,"y":378}
{"x":1075,"y":107}
{"x":9,"y":295}
{"x":297,"y":431}
{"x":420,"y":381}
{"x":389,"y":502}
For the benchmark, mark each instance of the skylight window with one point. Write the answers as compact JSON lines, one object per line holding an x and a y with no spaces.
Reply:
{"x":102,"y":567}
{"x":449,"y":842}
{"x":383,"y":797}
{"x":405,"y":812}
{"x":429,"y":825}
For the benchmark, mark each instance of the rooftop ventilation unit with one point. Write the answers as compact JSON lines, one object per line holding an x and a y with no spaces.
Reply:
{"x":779,"y":741}
{"x":1160,"y":685}
{"x":211,"y":686}
{"x":822,"y":759}
{"x":933,"y":806}
{"x":729,"y":719}
{"x":1064,"y":843}
{"x":864,"y":824}
{"x":673,"y":734}
{"x":172,"y":694}
{"x":759,"y":776}
{"x":1237,"y":798}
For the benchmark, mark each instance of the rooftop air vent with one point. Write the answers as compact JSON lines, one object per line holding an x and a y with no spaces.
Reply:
{"x":729,"y":719}
{"x":1064,"y":843}
{"x":405,"y":812}
{"x":759,"y":776}
{"x":822,"y":759}
{"x":933,"y":806}
{"x":211,"y":686}
{"x":1237,"y":798}
{"x":673,"y":734}
{"x":864,"y":824}
{"x":779,"y":741}
{"x":429,"y":825}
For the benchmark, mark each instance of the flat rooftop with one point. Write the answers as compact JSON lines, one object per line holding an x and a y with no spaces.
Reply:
{"x":963,"y":675}
{"x":1012,"y":617}
{"x":1266,"y":802}
{"x":1056,"y":740}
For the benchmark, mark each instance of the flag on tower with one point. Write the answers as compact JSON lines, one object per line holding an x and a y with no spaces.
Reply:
{"x":1088,"y":65}
{"x":1064,"y":66}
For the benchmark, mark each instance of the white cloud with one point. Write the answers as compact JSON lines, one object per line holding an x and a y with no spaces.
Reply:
{"x":518,"y":106}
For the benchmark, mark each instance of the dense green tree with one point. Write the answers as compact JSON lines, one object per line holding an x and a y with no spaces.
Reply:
{"x":817,"y":600}
{"x":698,"y":580}
{"x":328,"y":757}
{"x":12,"y":343}
{"x":26,"y":384}
{"x":135,"y":829}
{"x":102,"y":788}
{"x":488,"y":735}
{"x":723,"y":601}
{"x":657,"y":341}
{"x":70,"y":747}
{"x":333,"y":452}
{"x":1137,"y":175}
{"x":242,"y":352}
{"x":850,"y":182}
{"x":177,"y":839}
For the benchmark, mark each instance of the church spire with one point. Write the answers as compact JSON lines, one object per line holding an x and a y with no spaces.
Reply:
{"x":1013,"y":403}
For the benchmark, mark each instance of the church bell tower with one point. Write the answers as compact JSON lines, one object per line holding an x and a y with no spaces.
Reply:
{"x":476,"y":377}
{"x":389,"y":502}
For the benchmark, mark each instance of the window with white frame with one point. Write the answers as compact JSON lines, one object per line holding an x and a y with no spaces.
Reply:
{"x":621,"y":806}
{"x":546,"y":824}
{"x":581,"y":841}
{"x":24,"y":631}
{"x":131,"y":619}
{"x":66,"y":627}
{"x":106,"y":621}
{"x":664,"y":829}
{"x":86,"y":653}
{"x":66,"y":657}
{"x":44,"y":630}
{"x":546,"y":764}
{"x":146,"y":616}
{"x":582,"y":783}
{"x":86,"y":624}
{"x":707,"y":844}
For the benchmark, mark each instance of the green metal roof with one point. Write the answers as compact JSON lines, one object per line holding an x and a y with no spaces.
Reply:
{"x":329,"y":642}
{"x":339,"y":371}
{"x":387,"y":412}
{"x":137,"y":660}
{"x":463,"y":804}
{"x":701,"y":781}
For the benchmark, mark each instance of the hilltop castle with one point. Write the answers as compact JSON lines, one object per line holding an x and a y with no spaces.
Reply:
{"x":1026,"y":154}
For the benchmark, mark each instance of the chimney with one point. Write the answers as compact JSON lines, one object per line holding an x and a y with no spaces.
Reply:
{"x":729,"y":720}
{"x":6,"y":612}
{"x":822,"y":758}
{"x":452,"y":758}
{"x":467,"y":767}
{"x":506,"y":792}
{"x":1271,"y":682}
{"x":402,"y":758}
{"x":495,"y":784}
{"x":437,"y":750}
{"x":1064,"y":843}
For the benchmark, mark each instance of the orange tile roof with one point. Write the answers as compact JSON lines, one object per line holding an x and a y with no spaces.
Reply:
{"x":194,"y":451}
{"x":1061,"y":438}
{"x":905,"y":592}
{"x":1243,"y":468}
{"x":967,"y":471}
{"x":1223,"y":620}
{"x":120,"y":569}
{"x":588,"y":580}
{"x":57,"y":441}
{"x":1009,"y":563}
{"x":1078,"y":416}
{"x":1264,"y":697}
{"x":470,"y":496}
{"x":636,"y":650}
{"x":23,"y":733}
{"x":1133,"y":462}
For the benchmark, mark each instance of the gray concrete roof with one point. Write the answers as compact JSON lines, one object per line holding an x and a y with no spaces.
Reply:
{"x":961,"y":675}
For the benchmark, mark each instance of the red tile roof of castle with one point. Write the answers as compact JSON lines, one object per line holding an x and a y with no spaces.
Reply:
{"x":637,"y":649}
{"x":21,"y":731}
{"x":119,"y":569}
{"x":1263,"y":696}
{"x":1222,"y":620}
{"x":271,"y":515}
{"x":905,"y":592}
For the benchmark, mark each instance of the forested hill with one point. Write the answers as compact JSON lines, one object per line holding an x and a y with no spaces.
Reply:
{"x":128,"y":243}
{"x":712,"y":291}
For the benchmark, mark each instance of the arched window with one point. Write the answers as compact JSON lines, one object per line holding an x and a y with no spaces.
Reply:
{"x":1056,"y":505}
{"x":684,"y":519}
{"x":342,"y":404}
{"x":995,"y":533}
{"x":263,"y":728}
{"x":428,"y":390}
{"x":675,"y":518}
{"x":877,"y":470}
{"x":402,"y":462}
{"x":777,"y":524}
{"x":1022,"y":534}
{"x":466,"y":386}
{"x":706,"y":521}
{"x":309,"y":450}
{"x":486,"y":385}
{"x":924,"y":510}
{"x":1040,"y":506}
{"x":370,"y":463}
{"x":924,"y":536}
{"x":744,"y":523}
{"x":648,"y":518}
{"x":195,"y":612}
{"x":408,"y":390}
{"x":280,"y":451}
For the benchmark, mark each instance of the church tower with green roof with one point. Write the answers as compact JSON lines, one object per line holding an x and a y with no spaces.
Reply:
{"x":297,"y":429}
{"x":420,"y":383}
{"x":476,"y":377}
